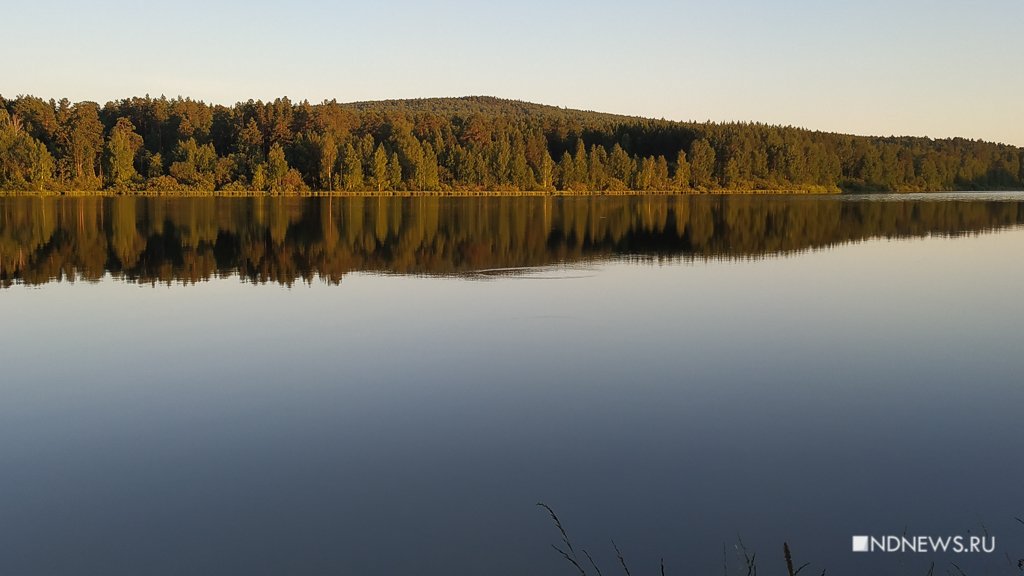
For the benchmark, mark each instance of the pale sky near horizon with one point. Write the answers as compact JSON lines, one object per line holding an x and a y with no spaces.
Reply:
{"x":934,"y":68}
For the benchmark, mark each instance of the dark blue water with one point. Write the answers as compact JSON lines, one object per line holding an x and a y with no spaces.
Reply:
{"x":391,"y":409}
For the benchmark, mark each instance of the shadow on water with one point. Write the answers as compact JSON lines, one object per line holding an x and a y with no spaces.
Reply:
{"x":286,"y":240}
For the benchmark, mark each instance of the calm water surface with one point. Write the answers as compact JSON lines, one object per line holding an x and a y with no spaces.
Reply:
{"x":387,"y":386}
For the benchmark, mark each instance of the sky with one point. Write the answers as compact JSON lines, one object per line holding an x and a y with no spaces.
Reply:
{"x":934,"y":68}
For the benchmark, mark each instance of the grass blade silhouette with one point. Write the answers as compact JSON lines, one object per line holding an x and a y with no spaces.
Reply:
{"x":570,"y":556}
{"x":621,"y":559}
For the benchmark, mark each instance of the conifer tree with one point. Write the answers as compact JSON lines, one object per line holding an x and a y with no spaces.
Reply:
{"x":352,"y":168}
{"x":380,"y":168}
{"x":702,"y":164}
{"x":681,"y":178}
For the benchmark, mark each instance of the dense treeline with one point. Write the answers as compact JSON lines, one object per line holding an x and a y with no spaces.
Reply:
{"x":281,"y":239}
{"x":474,"y":143}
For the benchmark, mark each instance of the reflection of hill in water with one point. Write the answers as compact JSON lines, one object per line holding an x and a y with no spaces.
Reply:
{"x":286,"y":239}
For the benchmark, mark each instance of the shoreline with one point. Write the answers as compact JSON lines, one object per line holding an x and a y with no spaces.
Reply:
{"x":410,"y":194}
{"x":459,"y":193}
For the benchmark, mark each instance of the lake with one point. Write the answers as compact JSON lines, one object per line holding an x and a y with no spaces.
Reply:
{"x":389,"y":385}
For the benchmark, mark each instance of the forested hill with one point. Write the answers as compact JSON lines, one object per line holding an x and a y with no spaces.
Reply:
{"x":472,"y":143}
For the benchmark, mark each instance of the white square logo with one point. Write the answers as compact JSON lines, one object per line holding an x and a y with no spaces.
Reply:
{"x":860,"y":544}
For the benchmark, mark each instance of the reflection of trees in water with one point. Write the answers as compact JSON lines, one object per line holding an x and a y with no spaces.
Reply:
{"x":285,"y":239}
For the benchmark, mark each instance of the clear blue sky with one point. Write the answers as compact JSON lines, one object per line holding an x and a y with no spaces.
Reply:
{"x":935,"y":68}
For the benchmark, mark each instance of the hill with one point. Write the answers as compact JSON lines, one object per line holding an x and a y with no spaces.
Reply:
{"x":470,"y":143}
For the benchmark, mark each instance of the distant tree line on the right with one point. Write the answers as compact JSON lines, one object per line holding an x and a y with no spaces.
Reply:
{"x":473,"y":143}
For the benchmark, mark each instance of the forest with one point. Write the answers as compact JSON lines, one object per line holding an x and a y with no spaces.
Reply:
{"x":457,"y":144}
{"x":284,"y":239}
